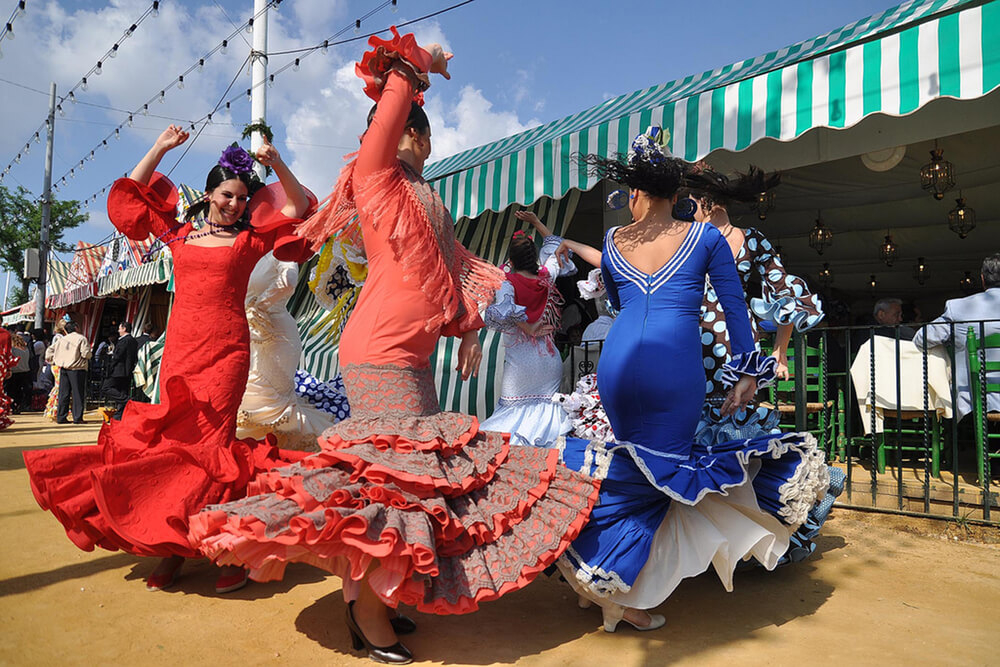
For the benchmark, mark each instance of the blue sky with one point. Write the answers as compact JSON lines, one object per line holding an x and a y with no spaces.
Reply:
{"x":517,"y":63}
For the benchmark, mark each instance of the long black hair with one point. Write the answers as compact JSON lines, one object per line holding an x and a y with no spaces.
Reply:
{"x":716,"y":189}
{"x":216,"y":176}
{"x":660,"y":179}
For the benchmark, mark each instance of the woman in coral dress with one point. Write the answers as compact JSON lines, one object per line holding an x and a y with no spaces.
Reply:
{"x":527,"y":310}
{"x":406,"y":503}
{"x":135,"y":489}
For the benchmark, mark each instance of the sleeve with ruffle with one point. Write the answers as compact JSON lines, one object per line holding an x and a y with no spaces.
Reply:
{"x":281,"y":288}
{"x":504,"y":314}
{"x":786,"y":298}
{"x":137,"y":210}
{"x":477,"y":285}
{"x":746,"y":359}
{"x":547,"y":258}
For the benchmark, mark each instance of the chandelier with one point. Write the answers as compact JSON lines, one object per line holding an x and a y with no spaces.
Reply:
{"x":825,"y":276}
{"x":938,"y":175}
{"x":764,"y":203}
{"x":888,"y":250}
{"x":966,"y":284}
{"x":921,"y":272}
{"x":821,"y":237}
{"x":962,"y":218}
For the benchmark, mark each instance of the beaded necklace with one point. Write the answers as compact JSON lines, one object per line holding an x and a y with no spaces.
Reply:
{"x":158,"y":243}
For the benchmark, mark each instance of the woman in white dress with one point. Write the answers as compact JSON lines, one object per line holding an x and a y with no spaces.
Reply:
{"x":270,"y":404}
{"x":526,"y":310}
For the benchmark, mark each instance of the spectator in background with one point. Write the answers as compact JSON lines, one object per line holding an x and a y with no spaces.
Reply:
{"x":20,"y":373}
{"x":148,"y":334}
{"x":888,"y":315}
{"x":958,"y":316}
{"x":72,"y":355}
{"x":118,"y":369}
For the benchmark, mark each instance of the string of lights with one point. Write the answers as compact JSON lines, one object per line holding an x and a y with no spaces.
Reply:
{"x":144,"y":109}
{"x":294,"y":65}
{"x":8,"y":31}
{"x":96,"y":70}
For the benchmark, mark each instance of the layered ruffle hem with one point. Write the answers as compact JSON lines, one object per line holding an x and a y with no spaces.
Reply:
{"x":435,"y":512}
{"x":135,"y":488}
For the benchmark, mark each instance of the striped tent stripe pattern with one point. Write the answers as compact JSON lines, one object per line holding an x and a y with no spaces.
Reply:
{"x":892,"y":63}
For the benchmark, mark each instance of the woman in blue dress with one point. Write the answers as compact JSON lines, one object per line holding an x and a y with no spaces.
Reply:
{"x":670,"y":507}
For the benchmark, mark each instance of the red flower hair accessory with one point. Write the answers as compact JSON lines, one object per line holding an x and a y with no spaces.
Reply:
{"x":375,"y":64}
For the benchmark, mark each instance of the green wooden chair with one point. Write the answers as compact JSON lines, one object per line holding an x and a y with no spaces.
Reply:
{"x":904,"y":430}
{"x":982,"y":375}
{"x":820,"y":408}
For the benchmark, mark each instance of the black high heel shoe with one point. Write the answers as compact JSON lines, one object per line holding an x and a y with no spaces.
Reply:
{"x":397,"y":654}
{"x":403,"y":625}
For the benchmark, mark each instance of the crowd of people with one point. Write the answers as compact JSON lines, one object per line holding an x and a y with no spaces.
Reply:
{"x":405,"y":503}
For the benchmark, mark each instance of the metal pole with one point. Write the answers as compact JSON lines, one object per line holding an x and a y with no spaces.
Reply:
{"x":43,"y":242}
{"x":258,"y":88}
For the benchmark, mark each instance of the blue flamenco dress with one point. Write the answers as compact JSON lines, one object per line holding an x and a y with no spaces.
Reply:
{"x":670,"y":507}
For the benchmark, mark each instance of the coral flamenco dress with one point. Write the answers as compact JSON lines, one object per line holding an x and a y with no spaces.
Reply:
{"x":433,"y":511}
{"x":135,"y":489}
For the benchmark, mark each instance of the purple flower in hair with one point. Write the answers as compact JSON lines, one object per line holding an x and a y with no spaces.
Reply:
{"x":236,"y":159}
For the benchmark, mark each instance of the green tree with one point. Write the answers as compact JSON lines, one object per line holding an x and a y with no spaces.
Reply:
{"x":21,"y":228}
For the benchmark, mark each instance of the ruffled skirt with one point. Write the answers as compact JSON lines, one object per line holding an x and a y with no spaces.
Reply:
{"x":435,"y":512}
{"x":662,"y":517}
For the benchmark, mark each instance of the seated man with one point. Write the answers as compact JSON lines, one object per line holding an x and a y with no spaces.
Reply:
{"x":888,"y":314}
{"x":966,"y":312}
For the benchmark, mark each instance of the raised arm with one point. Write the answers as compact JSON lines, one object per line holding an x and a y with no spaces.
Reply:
{"x":170,"y":138}
{"x":587,"y":253}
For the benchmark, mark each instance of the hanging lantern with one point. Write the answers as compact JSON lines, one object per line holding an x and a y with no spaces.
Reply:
{"x":825,"y":275}
{"x":888,"y":250}
{"x":921,"y":272}
{"x":820,"y":238}
{"x":962,"y":218}
{"x":967,"y":284}
{"x":764,"y":203}
{"x":938,"y":175}
{"x":872,"y":283}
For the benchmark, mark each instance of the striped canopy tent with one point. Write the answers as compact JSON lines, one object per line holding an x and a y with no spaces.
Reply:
{"x":81,"y":280}
{"x":892,"y":63}
{"x":57,"y":272}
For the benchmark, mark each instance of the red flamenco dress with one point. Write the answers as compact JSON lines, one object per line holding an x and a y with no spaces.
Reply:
{"x":160,"y":464}
{"x":7,"y":362}
{"x":435,"y":512}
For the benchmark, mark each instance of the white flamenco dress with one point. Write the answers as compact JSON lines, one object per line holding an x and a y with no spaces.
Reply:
{"x":532,"y":369}
{"x":270,"y":403}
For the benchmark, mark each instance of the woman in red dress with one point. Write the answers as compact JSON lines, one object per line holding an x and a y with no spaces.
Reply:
{"x":406,"y":503}
{"x":7,"y":362}
{"x":161,"y":463}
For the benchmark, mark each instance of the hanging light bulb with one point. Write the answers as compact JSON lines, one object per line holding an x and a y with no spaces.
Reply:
{"x":27,"y":148}
{"x":201,"y":65}
{"x":270,"y":81}
{"x":163,"y":96}
{"x":249,"y":95}
{"x":295,"y":66}
{"x":131,"y":29}
{"x":921,"y":272}
{"x":92,"y":156}
{"x":104,"y":142}
{"x":227,"y":106}
{"x":10,"y":31}
{"x":72,"y":173}
{"x":180,"y":82}
{"x":83,"y":83}
{"x":825,"y":275}
{"x":224,"y":47}
{"x":962,"y":218}
{"x":966,"y":284}
{"x":249,"y":27}
{"x":326,"y":47}
{"x":208,"y":119}
{"x":20,"y":9}
{"x":129,"y":121}
{"x":60,"y":110}
{"x":395,"y":7}
{"x":145,"y":109}
{"x":118,"y":132}
{"x":888,"y":250}
{"x":872,"y":283}
{"x":98,"y":69}
{"x":357,"y":26}
{"x":18,"y":159}
{"x":113,"y":52}
{"x":156,"y":9}
{"x":38,"y":138}
{"x":72,"y":97}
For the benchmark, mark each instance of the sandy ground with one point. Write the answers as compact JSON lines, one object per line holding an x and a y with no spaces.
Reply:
{"x":879,"y":590}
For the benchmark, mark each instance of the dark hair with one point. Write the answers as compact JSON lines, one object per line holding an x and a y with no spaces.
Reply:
{"x":216,"y":176}
{"x":126,"y":325}
{"x":659,"y":179}
{"x":522,"y":253}
{"x":70,"y":327}
{"x":991,"y":271}
{"x":717,"y":189}
{"x":148,"y":327}
{"x":417,"y":118}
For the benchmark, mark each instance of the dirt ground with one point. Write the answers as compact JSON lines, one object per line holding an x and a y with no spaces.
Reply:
{"x":879,"y":590}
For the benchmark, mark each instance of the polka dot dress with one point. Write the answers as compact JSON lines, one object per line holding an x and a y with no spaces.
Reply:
{"x":326,"y":396}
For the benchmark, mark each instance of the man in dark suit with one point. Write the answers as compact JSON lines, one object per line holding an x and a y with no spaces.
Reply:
{"x":147,"y":334}
{"x":119,"y":379}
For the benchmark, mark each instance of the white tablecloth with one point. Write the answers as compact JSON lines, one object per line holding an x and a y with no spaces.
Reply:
{"x":911,"y":380}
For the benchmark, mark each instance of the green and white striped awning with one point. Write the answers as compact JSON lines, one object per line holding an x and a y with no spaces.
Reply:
{"x":156,"y":271}
{"x":892,"y":63}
